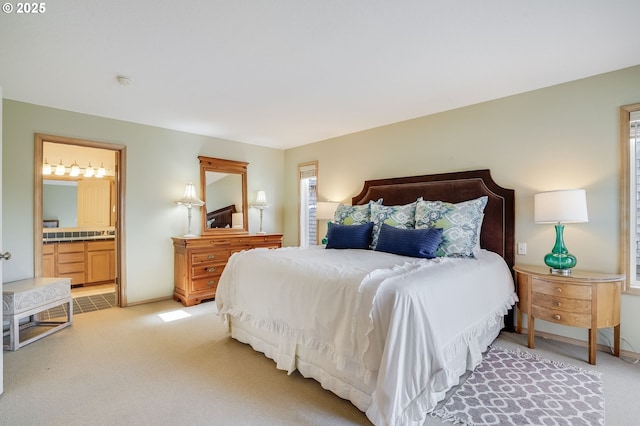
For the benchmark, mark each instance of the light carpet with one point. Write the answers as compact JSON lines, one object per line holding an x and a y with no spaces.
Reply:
{"x":518,"y":388}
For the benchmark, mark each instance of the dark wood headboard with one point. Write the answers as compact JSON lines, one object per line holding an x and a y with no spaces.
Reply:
{"x":498,"y":226}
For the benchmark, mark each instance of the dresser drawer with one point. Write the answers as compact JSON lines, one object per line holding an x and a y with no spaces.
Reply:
{"x":209,"y":284}
{"x":574,"y":291}
{"x":561,"y":317}
{"x":212,"y":256}
{"x":205,"y":270}
{"x":580,"y":306}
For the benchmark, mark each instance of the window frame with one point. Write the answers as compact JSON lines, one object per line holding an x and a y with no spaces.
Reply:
{"x":628,"y":204}
{"x":301,"y":167}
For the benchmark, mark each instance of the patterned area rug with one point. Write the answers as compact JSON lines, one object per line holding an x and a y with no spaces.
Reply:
{"x":518,"y":388}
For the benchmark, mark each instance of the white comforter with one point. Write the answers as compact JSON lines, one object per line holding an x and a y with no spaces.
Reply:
{"x":377,"y":316}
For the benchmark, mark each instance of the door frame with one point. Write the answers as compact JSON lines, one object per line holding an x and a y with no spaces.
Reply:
{"x":120,"y":153}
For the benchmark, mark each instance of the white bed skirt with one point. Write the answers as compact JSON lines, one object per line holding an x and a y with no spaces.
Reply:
{"x":313,"y":364}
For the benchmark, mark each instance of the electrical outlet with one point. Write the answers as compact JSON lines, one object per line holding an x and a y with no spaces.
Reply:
{"x":522,"y":248}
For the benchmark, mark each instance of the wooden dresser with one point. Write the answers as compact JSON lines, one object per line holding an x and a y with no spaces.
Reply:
{"x":199,"y":262}
{"x":582,"y":299}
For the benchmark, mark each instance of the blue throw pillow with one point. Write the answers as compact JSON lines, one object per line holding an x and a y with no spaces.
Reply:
{"x":349,"y":236}
{"x":409,"y":242}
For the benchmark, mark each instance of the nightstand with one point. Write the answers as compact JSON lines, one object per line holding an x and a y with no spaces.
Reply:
{"x":582,"y":299}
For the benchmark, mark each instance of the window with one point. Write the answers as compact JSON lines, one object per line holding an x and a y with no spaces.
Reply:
{"x":308,"y":181}
{"x":630,"y":196}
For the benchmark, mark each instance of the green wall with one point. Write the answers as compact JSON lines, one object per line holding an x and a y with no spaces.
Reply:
{"x":564,"y":136}
{"x":160,"y":162}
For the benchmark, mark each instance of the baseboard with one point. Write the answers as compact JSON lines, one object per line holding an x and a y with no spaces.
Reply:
{"x":582,"y":343}
{"x":144,"y":302}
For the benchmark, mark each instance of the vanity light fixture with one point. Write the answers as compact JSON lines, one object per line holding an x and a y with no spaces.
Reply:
{"x":559,"y":207}
{"x":60,"y":169}
{"x":261,"y":204}
{"x":190,"y":199}
{"x":74,"y":170}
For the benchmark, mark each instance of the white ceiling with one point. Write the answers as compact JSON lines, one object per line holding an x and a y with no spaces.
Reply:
{"x":284,"y":73}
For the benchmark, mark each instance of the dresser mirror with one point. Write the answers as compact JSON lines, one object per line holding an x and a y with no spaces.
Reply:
{"x":223,"y":188}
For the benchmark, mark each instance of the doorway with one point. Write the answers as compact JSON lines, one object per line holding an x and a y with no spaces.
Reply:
{"x":90,"y":182}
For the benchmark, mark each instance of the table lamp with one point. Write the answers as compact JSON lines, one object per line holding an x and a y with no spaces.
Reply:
{"x":190,"y":199}
{"x":261,"y":204}
{"x":325,"y":210}
{"x":559,"y":207}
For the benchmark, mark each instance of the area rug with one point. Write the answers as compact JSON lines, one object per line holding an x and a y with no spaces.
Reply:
{"x":519,"y":388}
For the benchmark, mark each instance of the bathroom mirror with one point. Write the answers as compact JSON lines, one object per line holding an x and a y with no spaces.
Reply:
{"x":223,"y":188}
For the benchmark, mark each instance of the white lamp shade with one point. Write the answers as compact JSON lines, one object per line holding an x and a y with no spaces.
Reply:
{"x":261,"y":200}
{"x":325,"y":210}
{"x":237,"y":220}
{"x":190,"y":197}
{"x":561,"y":206}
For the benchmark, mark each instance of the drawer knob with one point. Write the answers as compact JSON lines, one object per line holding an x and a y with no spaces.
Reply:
{"x":211,"y":269}
{"x":558,"y":304}
{"x":556,"y":317}
{"x":211,"y":256}
{"x":558,"y":289}
{"x":211,"y":283}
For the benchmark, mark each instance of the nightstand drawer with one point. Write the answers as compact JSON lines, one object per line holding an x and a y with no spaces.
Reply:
{"x":579,"y":306}
{"x":574,"y":291}
{"x":562,"y":317}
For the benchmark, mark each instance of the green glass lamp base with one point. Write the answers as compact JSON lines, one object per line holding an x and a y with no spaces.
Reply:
{"x":559,"y":260}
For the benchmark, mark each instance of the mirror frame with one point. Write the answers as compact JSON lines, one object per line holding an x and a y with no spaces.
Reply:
{"x":219,"y":165}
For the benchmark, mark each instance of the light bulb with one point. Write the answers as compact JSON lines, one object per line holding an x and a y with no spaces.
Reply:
{"x":60,"y":169}
{"x":89,"y":171}
{"x":75,"y":169}
{"x":46,"y":168}
{"x":101,"y":171}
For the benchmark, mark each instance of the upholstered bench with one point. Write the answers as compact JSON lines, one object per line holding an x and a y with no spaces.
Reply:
{"x":26,"y":298}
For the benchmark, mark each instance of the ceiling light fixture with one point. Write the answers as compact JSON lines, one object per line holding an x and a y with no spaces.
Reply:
{"x":124,"y":81}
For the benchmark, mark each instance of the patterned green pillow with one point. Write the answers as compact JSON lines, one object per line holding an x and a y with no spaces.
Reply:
{"x":460,"y":223}
{"x":354,"y":215}
{"x":403,"y":217}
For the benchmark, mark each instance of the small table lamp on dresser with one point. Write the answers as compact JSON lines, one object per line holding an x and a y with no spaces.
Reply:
{"x":190,"y":199}
{"x":261,"y":204}
{"x":582,"y":299}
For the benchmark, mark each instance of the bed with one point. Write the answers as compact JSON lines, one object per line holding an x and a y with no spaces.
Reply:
{"x":390,"y":333}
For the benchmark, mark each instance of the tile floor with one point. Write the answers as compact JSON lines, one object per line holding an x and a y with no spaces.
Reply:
{"x":85,"y":299}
